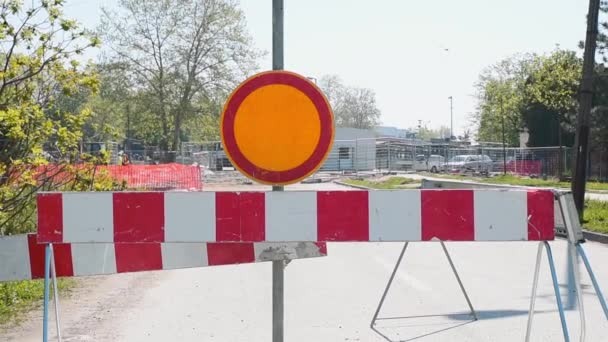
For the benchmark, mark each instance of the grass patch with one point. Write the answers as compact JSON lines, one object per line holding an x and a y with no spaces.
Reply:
{"x":16,"y":297}
{"x":596,"y":216}
{"x":523,"y":181}
{"x":387,"y":183}
{"x":514,"y":180}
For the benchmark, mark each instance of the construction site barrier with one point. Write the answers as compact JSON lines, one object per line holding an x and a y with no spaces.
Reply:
{"x":183,"y":220}
{"x":158,"y":177}
{"x":402,"y":215}
{"x":161,"y":177}
{"x":22,"y":258}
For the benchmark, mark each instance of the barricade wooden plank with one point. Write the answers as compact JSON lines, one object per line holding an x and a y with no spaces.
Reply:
{"x":22,"y":258}
{"x":395,"y":215}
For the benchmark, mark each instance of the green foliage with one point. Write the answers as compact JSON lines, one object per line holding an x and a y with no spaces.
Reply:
{"x":179,"y":66}
{"x":500,"y":97}
{"x":596,"y":216}
{"x":550,"y":183}
{"x":42,"y":92}
{"x":388,"y":183}
{"x":17,"y":296}
{"x":531,"y":91}
{"x":427,"y":134}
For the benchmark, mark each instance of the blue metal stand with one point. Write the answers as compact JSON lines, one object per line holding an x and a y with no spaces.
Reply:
{"x":45,"y":315}
{"x":558,"y":297}
{"x":596,"y":286}
{"x":50,"y":273}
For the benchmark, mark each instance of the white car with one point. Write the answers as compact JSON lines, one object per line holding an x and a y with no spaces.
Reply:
{"x":464,"y":163}
{"x":432,"y":163}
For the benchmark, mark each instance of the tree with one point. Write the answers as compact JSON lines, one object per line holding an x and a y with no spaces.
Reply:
{"x":39,"y":80}
{"x":427,"y":134}
{"x":353,"y":107}
{"x":180,"y":54}
{"x":537,"y":92}
{"x":553,"y":83}
{"x":500,"y":96}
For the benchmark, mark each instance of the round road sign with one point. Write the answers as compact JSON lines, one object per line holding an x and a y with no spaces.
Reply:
{"x":277,"y":127}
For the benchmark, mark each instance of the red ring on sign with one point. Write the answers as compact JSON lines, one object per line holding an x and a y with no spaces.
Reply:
{"x":318,"y":155}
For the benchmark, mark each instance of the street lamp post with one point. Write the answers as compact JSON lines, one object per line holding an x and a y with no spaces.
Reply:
{"x":504,"y":149}
{"x":451,"y":118}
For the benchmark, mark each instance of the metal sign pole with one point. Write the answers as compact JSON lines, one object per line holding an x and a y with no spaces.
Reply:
{"x":278,"y":267}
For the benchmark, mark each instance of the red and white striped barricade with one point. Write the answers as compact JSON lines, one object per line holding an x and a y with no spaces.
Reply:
{"x":22,"y":258}
{"x":403,"y":215}
{"x":336,"y":216}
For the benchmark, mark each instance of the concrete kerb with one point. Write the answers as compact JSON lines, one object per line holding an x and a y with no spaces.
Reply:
{"x":588,"y":235}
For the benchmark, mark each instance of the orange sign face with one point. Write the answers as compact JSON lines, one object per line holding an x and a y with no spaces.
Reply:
{"x":277,"y":127}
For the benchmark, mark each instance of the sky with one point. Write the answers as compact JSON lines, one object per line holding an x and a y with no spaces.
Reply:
{"x":413,"y":54}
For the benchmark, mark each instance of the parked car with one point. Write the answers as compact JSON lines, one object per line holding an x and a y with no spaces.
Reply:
{"x":471,"y":163}
{"x":432,"y":163}
{"x":527,"y":165}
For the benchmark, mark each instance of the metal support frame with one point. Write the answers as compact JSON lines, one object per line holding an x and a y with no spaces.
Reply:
{"x":390,"y":281}
{"x":596,"y":286}
{"x":50,"y":274}
{"x":574,"y":235}
{"x":558,"y":297}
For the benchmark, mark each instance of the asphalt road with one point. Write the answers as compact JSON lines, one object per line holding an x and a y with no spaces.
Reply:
{"x":334,"y":298}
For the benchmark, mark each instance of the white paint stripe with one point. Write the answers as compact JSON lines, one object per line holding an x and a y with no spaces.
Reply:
{"x":291,"y":216}
{"x":184,"y":255}
{"x":395,"y":216}
{"x":268,"y":251}
{"x":189,"y":216}
{"x":501,"y":215}
{"x":93,"y":258}
{"x":14,"y":258}
{"x":88,"y":217}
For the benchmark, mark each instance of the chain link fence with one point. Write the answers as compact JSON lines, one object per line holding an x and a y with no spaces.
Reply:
{"x":391,"y":154}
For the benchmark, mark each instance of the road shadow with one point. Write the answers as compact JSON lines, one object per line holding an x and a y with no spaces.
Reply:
{"x":387,"y":325}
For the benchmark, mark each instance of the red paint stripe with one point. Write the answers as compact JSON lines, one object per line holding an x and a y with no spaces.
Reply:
{"x":541,"y":219}
{"x":135,"y":257}
{"x":448,"y":215}
{"x":342,"y":216}
{"x":240,"y":216}
{"x":139,"y":217}
{"x":325,"y":118}
{"x":322,"y":247}
{"x":50,"y":217}
{"x":230,"y":253}
{"x":62,"y":253}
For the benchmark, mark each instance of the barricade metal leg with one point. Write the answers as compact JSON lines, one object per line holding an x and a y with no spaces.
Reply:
{"x":45,"y":315}
{"x":579,"y":289}
{"x":571,"y":298}
{"x":390,"y":281}
{"x":596,"y":286}
{"x":466,"y":296}
{"x":558,"y":297}
{"x":388,"y":285}
{"x":55,"y":293}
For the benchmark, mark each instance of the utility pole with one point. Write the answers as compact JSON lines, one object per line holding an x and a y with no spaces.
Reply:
{"x":451,"y":118}
{"x":585,"y":102}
